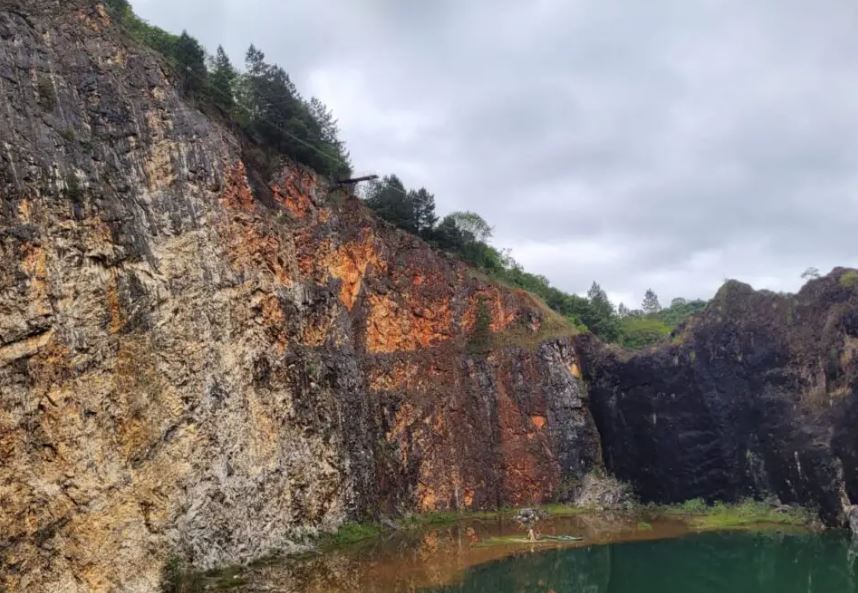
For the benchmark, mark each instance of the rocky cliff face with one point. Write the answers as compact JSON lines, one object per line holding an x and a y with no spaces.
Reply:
{"x":192,"y":365}
{"x":755,"y":398}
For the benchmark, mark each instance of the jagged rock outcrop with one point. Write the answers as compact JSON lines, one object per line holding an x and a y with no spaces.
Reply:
{"x":756,"y":398}
{"x":192,"y":365}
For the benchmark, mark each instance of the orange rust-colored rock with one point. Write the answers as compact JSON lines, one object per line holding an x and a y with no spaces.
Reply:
{"x":237,"y":193}
{"x":349,"y":264}
{"x":501,"y":315}
{"x":249,"y":246}
{"x":392,"y":326}
{"x":293,"y":190}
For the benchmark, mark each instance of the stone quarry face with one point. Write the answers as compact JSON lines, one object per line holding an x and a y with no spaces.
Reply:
{"x":190,"y":365}
{"x":201,"y":360}
{"x":756,"y":398}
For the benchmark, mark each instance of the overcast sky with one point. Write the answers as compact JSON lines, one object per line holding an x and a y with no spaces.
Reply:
{"x":663,"y":144}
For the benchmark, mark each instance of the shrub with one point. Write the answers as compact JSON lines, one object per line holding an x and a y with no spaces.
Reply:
{"x":73,"y":189}
{"x":849,"y":279}
{"x":47,"y":94}
{"x":481,"y":335}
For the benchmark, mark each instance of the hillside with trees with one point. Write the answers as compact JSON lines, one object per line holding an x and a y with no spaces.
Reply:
{"x":264,"y":103}
{"x":261,"y":100}
{"x":466,"y":235}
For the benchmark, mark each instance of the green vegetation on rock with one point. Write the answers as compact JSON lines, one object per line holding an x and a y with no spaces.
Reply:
{"x":639,"y":329}
{"x":849,"y":279}
{"x":747,"y":513}
{"x":262,"y":101}
{"x":350,"y":533}
{"x":481,"y":333}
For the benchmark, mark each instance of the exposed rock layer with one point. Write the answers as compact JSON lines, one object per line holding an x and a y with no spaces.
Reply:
{"x":191,"y":366}
{"x":756,"y":398}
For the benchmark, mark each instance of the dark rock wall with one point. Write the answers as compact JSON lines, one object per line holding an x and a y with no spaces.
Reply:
{"x":757,"y":398}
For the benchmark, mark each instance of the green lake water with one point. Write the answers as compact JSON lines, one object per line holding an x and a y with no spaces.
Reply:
{"x":729,"y":562}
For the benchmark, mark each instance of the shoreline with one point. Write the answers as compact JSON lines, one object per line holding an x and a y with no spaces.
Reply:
{"x":434,"y":549}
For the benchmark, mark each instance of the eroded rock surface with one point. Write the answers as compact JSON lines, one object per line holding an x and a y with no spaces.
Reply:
{"x":190,"y":365}
{"x":756,"y":398}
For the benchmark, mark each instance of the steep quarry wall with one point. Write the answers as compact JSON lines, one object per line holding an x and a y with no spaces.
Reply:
{"x":192,"y":366}
{"x":192,"y":363}
{"x":757,"y":398}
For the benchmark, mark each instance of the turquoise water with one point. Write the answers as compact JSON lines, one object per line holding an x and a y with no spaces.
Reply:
{"x":706,"y":563}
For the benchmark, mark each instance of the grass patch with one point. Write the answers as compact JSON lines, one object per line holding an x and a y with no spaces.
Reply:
{"x":638,"y":332}
{"x":447,"y":518}
{"x":562,"y":510}
{"x":747,"y":513}
{"x":644,"y":526}
{"x":350,"y":533}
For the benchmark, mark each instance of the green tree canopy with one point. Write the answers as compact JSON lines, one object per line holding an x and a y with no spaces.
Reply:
{"x":222,"y":78}
{"x":472,"y":225}
{"x":279,"y":117}
{"x":424,"y":211}
{"x":650,"y":302}
{"x":190,"y":64}
{"x":390,"y":200}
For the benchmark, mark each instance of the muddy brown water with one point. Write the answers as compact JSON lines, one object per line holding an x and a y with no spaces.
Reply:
{"x":409,"y":560}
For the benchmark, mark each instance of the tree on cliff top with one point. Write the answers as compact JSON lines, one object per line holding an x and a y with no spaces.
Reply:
{"x":811,"y":273}
{"x":222,"y":78}
{"x":600,"y":316}
{"x":474,"y":226}
{"x":277,"y":116}
{"x":650,"y":302}
{"x":263,"y":101}
{"x":190,"y":58}
{"x":424,"y":211}
{"x":391,"y":202}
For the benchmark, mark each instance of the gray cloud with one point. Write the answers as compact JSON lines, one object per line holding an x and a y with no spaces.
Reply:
{"x":666,"y":144}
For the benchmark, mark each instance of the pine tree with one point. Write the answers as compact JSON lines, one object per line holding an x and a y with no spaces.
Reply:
{"x":423,"y":204}
{"x":599,"y":315}
{"x":330,"y":134}
{"x":650,"y":303}
{"x":390,"y":201}
{"x":810,"y":274}
{"x":190,"y":60}
{"x":254,"y":61}
{"x":596,"y":293}
{"x":222,"y":78}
